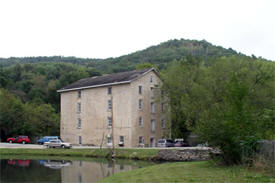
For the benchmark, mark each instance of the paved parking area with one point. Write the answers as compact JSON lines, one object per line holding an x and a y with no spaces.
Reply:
{"x":36,"y":146}
{"x":15,"y":145}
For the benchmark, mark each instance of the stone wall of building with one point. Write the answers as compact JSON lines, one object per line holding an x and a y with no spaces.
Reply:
{"x":94,"y":113}
{"x":147,"y":96}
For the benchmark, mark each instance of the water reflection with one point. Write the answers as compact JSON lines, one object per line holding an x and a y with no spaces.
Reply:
{"x":65,"y":171}
{"x":56,"y":164}
{"x":92,"y":171}
{"x":22,"y":163}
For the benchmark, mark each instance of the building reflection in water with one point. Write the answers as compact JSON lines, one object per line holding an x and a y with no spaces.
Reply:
{"x":88,"y":171}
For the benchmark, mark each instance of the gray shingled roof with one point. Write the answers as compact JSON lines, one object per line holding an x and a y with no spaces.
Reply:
{"x":111,"y":79}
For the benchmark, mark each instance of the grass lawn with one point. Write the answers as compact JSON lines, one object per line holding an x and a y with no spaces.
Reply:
{"x":199,"y":172}
{"x":137,"y":154}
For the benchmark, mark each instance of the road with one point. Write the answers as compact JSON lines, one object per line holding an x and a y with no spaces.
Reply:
{"x":36,"y":146}
{"x":15,"y":145}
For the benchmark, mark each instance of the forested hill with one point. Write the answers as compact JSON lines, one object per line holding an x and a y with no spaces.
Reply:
{"x":166,"y":52}
{"x":30,"y":104}
{"x":158,"y":55}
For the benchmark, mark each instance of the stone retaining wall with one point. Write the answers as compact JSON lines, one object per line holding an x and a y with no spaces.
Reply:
{"x":190,"y":154}
{"x":267,"y":149}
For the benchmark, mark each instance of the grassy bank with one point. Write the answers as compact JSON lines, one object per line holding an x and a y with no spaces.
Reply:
{"x":137,"y":154}
{"x":205,"y":172}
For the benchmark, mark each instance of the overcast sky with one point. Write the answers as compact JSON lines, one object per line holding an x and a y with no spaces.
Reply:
{"x":101,"y":29}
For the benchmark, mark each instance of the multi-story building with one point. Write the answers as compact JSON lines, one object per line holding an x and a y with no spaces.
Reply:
{"x":126,"y":107}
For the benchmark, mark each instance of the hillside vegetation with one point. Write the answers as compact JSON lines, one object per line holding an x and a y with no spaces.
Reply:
{"x":158,"y":55}
{"x":198,"y":76}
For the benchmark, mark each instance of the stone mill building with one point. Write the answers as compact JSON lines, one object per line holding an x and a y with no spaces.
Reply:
{"x":125,"y":108}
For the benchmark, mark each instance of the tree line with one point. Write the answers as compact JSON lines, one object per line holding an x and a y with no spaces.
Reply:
{"x":228,"y":104}
{"x":29,"y":102}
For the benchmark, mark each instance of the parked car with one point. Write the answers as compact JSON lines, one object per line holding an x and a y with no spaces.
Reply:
{"x":19,"y":139}
{"x":46,"y":139}
{"x":165,"y":143}
{"x":57,"y":164}
{"x":57,"y":143}
{"x":181,"y":144}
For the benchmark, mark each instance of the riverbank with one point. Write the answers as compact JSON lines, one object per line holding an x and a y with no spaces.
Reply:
{"x":135,"y":154}
{"x":206,"y":172}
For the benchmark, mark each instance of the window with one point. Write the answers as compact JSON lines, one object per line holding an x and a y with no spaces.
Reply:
{"x":152,"y":107}
{"x":78,"y":107}
{"x":152,"y":125}
{"x":152,"y":92}
{"x":140,"y":104}
{"x":140,"y":122}
{"x":109,"y":140}
{"x":121,"y":139}
{"x":79,"y":140}
{"x":162,"y":107}
{"x":109,"y":105}
{"x":140,"y":140}
{"x":109,"y":90}
{"x":109,"y":122}
{"x":162,"y":123}
{"x":140,"y":89}
{"x":79,"y":94}
{"x":78,"y":123}
{"x":151,"y":78}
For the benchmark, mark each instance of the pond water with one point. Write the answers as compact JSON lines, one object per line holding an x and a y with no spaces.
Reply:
{"x":65,"y":171}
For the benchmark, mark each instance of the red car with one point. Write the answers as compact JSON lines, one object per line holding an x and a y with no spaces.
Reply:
{"x":19,"y":139}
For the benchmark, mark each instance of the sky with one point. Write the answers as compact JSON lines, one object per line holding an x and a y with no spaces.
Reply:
{"x":111,"y":28}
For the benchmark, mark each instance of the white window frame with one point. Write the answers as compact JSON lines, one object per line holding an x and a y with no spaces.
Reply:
{"x":140,"y":140}
{"x":79,"y":139}
{"x":79,"y":107}
{"x":121,"y":139}
{"x":109,"y":90}
{"x":109,"y":140}
{"x":162,"y":107}
{"x":110,"y":123}
{"x":109,"y":105}
{"x":153,"y":125}
{"x":152,"y":107}
{"x":78,"y":122}
{"x":140,"y":121}
{"x":152,"y":92}
{"x":79,"y":93}
{"x":140,"y":89}
{"x":140,"y":104}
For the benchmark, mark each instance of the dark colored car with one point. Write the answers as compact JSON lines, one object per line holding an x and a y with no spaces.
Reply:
{"x":181,"y":144}
{"x":19,"y":139}
{"x":165,"y":143}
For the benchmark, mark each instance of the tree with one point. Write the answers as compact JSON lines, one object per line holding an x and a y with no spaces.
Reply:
{"x":228,"y":103}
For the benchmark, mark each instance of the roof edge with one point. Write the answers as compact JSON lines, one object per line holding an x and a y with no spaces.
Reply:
{"x":94,"y":86}
{"x":110,"y":84}
{"x":152,"y":69}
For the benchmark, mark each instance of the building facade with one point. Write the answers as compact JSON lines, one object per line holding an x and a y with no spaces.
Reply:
{"x":125,"y":108}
